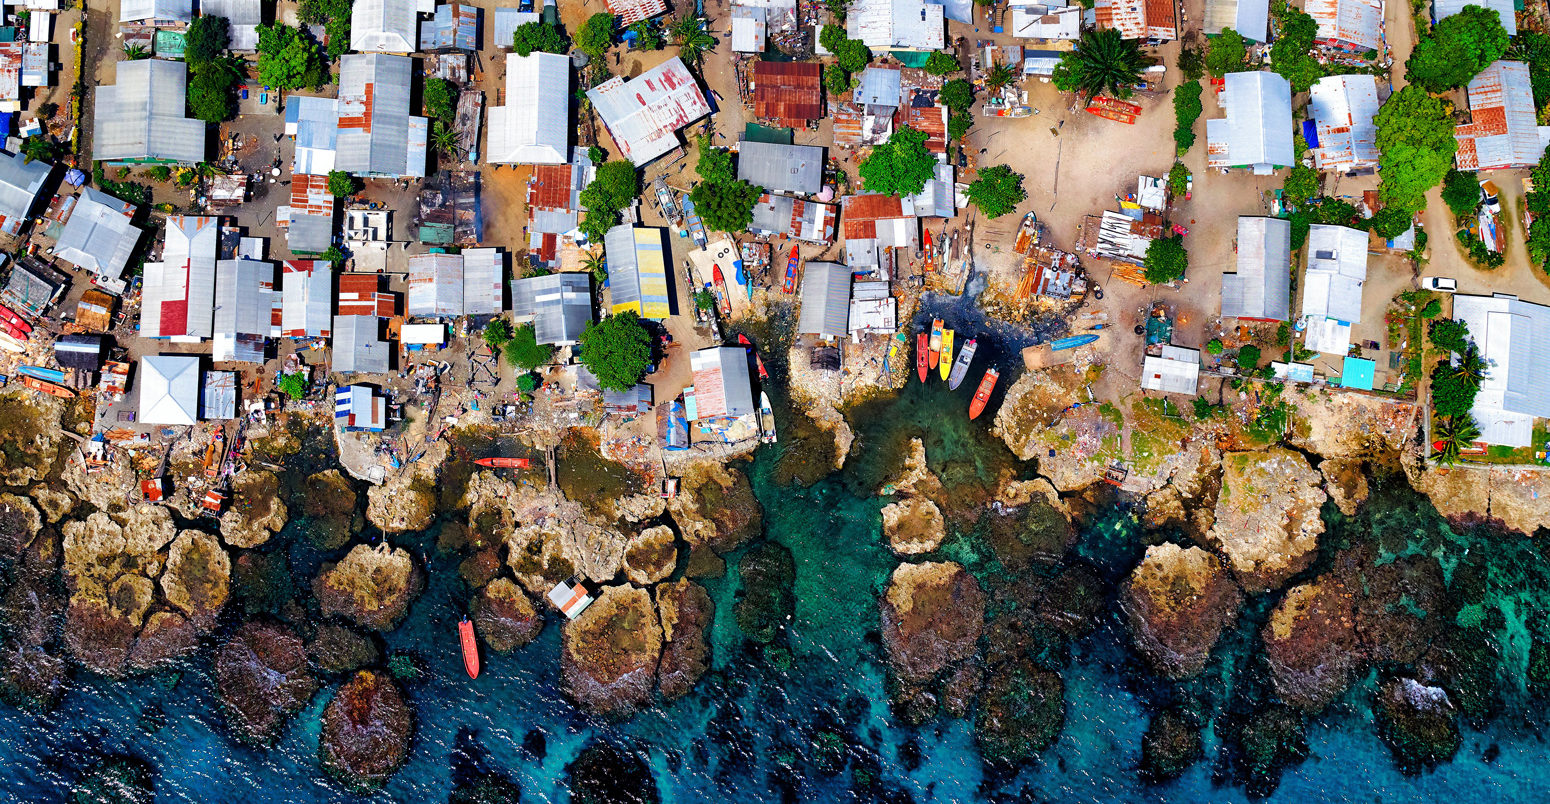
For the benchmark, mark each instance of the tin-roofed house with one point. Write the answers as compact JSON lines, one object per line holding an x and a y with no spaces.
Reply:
{"x":554,"y":204}
{"x":1175,"y":371}
{"x":245,"y":302}
{"x":559,"y":306}
{"x":1506,"y":9}
{"x":788,"y":93}
{"x":98,"y":235}
{"x":825,"y":301}
{"x":377,"y":136}
{"x":156,"y":13}
{"x":748,"y":28}
{"x":452,"y":285}
{"x":1250,"y":18}
{"x":34,"y":286}
{"x":1256,"y":134}
{"x":784,"y":216}
{"x":243,"y":18}
{"x":169,"y":389}
{"x":534,"y":126}
{"x":1151,"y":20}
{"x":781,"y":168}
{"x":1332,"y":287}
{"x":141,"y":118}
{"x":20,"y":183}
{"x":94,"y":312}
{"x":722,"y":386}
{"x":874,"y":225}
{"x":358,"y":346}
{"x":643,"y":115}
{"x":360,"y":407}
{"x":383,"y":26}
{"x":939,"y":198}
{"x":1355,"y":26}
{"x":360,"y":294}
{"x":218,"y":402}
{"x":1052,"y":20}
{"x":1502,"y":131}
{"x":630,"y":12}
{"x":897,"y":25}
{"x":314,"y":122}
{"x":178,"y":300}
{"x":1260,"y":290}
{"x":484,"y":281}
{"x":454,"y":26}
{"x":880,"y":87}
{"x":637,"y":271}
{"x":309,"y":219}
{"x":306,"y":298}
{"x":1514,"y":338}
{"x":1341,"y":130}
{"x":79,"y":352}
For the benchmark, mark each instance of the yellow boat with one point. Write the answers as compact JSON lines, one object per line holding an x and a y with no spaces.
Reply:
{"x":945,"y":363}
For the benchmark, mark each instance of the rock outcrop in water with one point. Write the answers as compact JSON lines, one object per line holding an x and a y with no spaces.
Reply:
{"x":337,"y":649}
{"x":1021,"y":712}
{"x":1418,"y":723}
{"x":765,"y":600}
{"x":1345,"y":480}
{"x":371,"y":586}
{"x":932,"y":616}
{"x":715,"y":507}
{"x":651,"y":555}
{"x":686,"y":611}
{"x":19,"y":523}
{"x":611,"y":651}
{"x":32,"y":672}
{"x":913,"y":526}
{"x":329,"y":504}
{"x":263,"y":678}
{"x":1509,"y":496}
{"x":505,"y":617}
{"x":116,"y":780}
{"x":1177,"y":602}
{"x":406,"y":501}
{"x":256,"y":511}
{"x":366,"y":731}
{"x":604,"y":774}
{"x":553,"y":538}
{"x":1267,"y":516}
{"x":1171,"y":744}
{"x":1311,"y":644}
{"x":30,"y":429}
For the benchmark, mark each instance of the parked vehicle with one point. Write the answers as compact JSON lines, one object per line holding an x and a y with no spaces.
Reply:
{"x":1439,"y":284}
{"x":1489,"y":197}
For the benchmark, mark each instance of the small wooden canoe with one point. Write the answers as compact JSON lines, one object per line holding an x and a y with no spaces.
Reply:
{"x":935,"y":347}
{"x":982,"y":396}
{"x":504,"y":463}
{"x":46,"y":387}
{"x":722,"y":299}
{"x":791,"y":271}
{"x":758,"y":361}
{"x":921,"y":355}
{"x":465,"y":633}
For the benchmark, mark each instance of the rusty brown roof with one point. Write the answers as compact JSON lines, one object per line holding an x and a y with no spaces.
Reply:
{"x":789,"y":92}
{"x":860,"y":214}
{"x":550,"y":188}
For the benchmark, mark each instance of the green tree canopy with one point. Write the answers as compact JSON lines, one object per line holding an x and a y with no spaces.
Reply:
{"x":496,"y":333}
{"x":1461,"y":192}
{"x":1102,"y":61}
{"x":852,"y":54}
{"x":440,"y":100}
{"x":539,"y":37}
{"x":287,"y":59}
{"x":835,"y":80}
{"x":725,"y":206}
{"x":959,"y":125}
{"x":1390,"y":222}
{"x":1450,"y":335}
{"x":614,"y":186}
{"x":1291,"y":54}
{"x":524,"y":351}
{"x":292,"y":385}
{"x":1457,"y":433}
{"x":997,"y":191}
{"x":597,"y":34}
{"x":957,"y":95}
{"x":1456,"y":49}
{"x":334,"y":16}
{"x":206,"y":39}
{"x":647,"y":35}
{"x":1302,"y":183}
{"x":1186,"y":110}
{"x":940,"y":63}
{"x":715,"y":164}
{"x":1227,"y":53}
{"x":1452,"y":395}
{"x":1166,"y":259}
{"x":1533,"y":48}
{"x":341,"y":184}
{"x":210,"y":92}
{"x":1248,"y":357}
{"x":901,"y":166}
{"x":1415,"y":146}
{"x":617,"y":350}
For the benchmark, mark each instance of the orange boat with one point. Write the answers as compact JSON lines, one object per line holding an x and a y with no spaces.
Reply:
{"x":930,"y":254}
{"x":1114,"y":109}
{"x":935,"y":348}
{"x":44,"y":386}
{"x":505,"y":463}
{"x":465,"y":633}
{"x":982,"y":395}
{"x":722,"y":300}
{"x":215,"y":454}
{"x":921,"y":350}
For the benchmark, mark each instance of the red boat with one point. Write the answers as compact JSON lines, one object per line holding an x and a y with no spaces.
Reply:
{"x":504,"y":463}
{"x":14,"y":331}
{"x":722,"y":298}
{"x":922,"y":354}
{"x":758,"y":361}
{"x":982,"y":396}
{"x":930,"y":254}
{"x":791,"y":271}
{"x":465,"y":633}
{"x":11,"y":317}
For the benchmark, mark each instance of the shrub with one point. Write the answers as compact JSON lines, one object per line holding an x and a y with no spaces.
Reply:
{"x":1248,"y":357}
{"x":1186,"y":110}
{"x":1461,"y":192}
{"x":524,"y":351}
{"x":1214,"y":346}
{"x":292,"y":385}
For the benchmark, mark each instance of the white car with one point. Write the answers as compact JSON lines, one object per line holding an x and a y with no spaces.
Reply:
{"x":1439,"y":284}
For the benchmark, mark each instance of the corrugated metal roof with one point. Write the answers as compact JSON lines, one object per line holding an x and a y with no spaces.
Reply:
{"x":637,"y":271}
{"x":880,"y":86}
{"x":644,"y":114}
{"x":1046,"y":22}
{"x":748,"y":29}
{"x":506,"y":21}
{"x":1337,"y":269}
{"x":1350,"y":24}
{"x":825,"y":300}
{"x":454,"y":26}
{"x":534,"y":126}
{"x":244,"y":310}
{"x":98,"y":237}
{"x":377,"y":135}
{"x":929,"y":118}
{"x":633,"y":11}
{"x":20,"y":182}
{"x":244,"y":17}
{"x":141,"y":117}
{"x":314,"y":122}
{"x":1258,"y":129}
{"x":359,"y":295}
{"x":307,"y":298}
{"x":559,"y":305}
{"x":383,"y":26}
{"x":1177,"y":371}
{"x":178,"y":300}
{"x":896,"y":24}
{"x":783,"y":215}
{"x":721,"y":383}
{"x":219,"y":400}
{"x":781,"y":168}
{"x":1138,"y":19}
{"x":484,"y":281}
{"x":435,"y":285}
{"x":309,"y":234}
{"x":1343,"y":108}
{"x":788,"y":92}
{"x":939,"y":197}
{"x":156,"y":11}
{"x":357,"y":348}
{"x":1506,"y":9}
{"x":169,"y":389}
{"x":1503,"y":131}
{"x":1250,"y":18}
{"x":310,"y":195}
{"x":1262,"y":286}
{"x":1514,"y":338}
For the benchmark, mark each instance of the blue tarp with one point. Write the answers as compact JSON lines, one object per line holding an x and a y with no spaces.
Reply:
{"x":1357,"y":373}
{"x":1310,"y":133}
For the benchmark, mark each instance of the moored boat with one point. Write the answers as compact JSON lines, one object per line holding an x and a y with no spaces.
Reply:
{"x":14,"y":320}
{"x":11,"y":344}
{"x":504,"y":463}
{"x":1027,"y":234}
{"x":465,"y":634}
{"x":722,"y":299}
{"x":982,"y":395}
{"x":961,"y":365}
{"x":922,"y":348}
{"x":766,"y":419}
{"x":758,"y":361}
{"x":935,"y":348}
{"x":791,"y":271}
{"x":929,"y":253}
{"x":46,"y":374}
{"x":945,"y":363}
{"x":44,"y":386}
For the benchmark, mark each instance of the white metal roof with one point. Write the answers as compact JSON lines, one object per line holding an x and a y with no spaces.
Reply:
{"x":722,"y":386}
{"x":825,"y":300}
{"x":306,"y":298}
{"x":377,"y":135}
{"x":559,"y":305}
{"x":435,"y":285}
{"x":1257,"y":133}
{"x":644,"y":114}
{"x":169,"y":389}
{"x":156,"y":10}
{"x":1176,"y":371}
{"x":1503,"y":130}
{"x":141,"y":118}
{"x":1355,"y":24}
{"x":98,"y":237}
{"x":383,"y":26}
{"x":244,"y":309}
{"x":1261,"y":287}
{"x":748,"y":29}
{"x":357,"y":347}
{"x":178,"y":300}
{"x":1343,"y":108}
{"x":431,"y":334}
{"x":896,"y":24}
{"x":1052,"y":21}
{"x":1250,"y":18}
{"x":20,"y":182}
{"x":1337,"y":269}
{"x":484,"y":281}
{"x":534,"y":126}
{"x":1514,"y":338}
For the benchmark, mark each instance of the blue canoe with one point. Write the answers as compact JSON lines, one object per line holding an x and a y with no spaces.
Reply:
{"x":1072,"y":341}
{"x":51,"y":375}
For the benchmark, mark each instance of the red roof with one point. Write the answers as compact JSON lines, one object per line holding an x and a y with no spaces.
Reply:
{"x":931,"y":119}
{"x":550,"y":187}
{"x":310,"y":196}
{"x":860,"y":214}
{"x":358,"y":295}
{"x":789,"y":92}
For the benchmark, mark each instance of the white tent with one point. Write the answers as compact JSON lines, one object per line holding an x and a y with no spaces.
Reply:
{"x":169,"y":389}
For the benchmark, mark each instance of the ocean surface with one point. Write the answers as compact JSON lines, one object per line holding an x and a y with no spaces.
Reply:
{"x":744,"y":733}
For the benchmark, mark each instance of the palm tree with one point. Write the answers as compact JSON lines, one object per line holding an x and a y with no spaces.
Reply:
{"x":693,"y":41}
{"x":1452,"y":436}
{"x":444,"y":139}
{"x":1470,"y":369}
{"x":999,"y":76}
{"x":136,"y":52}
{"x":596,"y":264}
{"x":1103,"y":61}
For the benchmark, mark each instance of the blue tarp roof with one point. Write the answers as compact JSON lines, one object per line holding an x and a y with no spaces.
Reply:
{"x":1357,"y":373}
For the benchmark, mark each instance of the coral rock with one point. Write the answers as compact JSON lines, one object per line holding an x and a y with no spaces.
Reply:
{"x":651,"y":555}
{"x":1177,"y":602}
{"x":913,"y":526}
{"x":1346,"y":482}
{"x":337,"y":649}
{"x":19,"y":522}
{"x":932,"y":616}
{"x":686,"y":612}
{"x":262,"y":678}
{"x":1311,"y":644}
{"x":1267,"y":517}
{"x":1418,"y":723}
{"x":366,"y":731}
{"x":256,"y":512}
{"x":372,"y":586}
{"x":166,"y":638}
{"x":329,"y":506}
{"x":407,"y":501}
{"x":610,"y":654}
{"x":198,"y":576}
{"x":505,"y":617}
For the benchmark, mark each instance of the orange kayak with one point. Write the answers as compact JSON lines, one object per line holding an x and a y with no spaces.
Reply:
{"x":465,"y":632}
{"x":47,"y":387}
{"x":921,"y":355}
{"x":504,"y":463}
{"x":982,"y":396}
